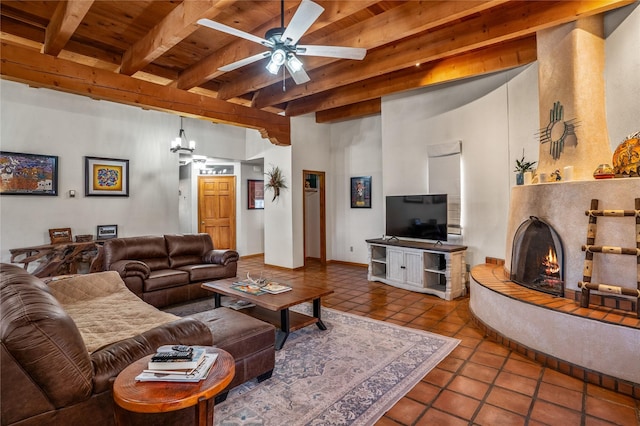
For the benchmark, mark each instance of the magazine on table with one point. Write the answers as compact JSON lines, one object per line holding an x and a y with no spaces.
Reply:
{"x":275,"y":288}
{"x":189,"y":376}
{"x":240,"y":304}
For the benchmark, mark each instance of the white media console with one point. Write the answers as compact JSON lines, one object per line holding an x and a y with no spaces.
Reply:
{"x":437,"y":269}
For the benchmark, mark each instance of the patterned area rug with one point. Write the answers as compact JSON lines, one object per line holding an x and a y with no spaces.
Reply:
{"x":350,"y":374}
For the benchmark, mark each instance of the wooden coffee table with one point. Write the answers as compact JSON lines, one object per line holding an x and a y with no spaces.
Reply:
{"x":274,"y":308}
{"x":161,"y":397}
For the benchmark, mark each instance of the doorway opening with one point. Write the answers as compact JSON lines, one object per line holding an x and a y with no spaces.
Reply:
{"x":314,"y":216}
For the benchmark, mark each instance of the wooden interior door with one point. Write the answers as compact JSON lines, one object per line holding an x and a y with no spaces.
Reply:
{"x":217,"y":209}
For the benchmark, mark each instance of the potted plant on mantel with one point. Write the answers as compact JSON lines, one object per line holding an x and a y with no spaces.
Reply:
{"x":523,"y":166}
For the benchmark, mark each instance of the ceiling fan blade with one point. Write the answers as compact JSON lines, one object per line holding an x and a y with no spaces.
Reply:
{"x":300,"y":76}
{"x":246,"y":61}
{"x":305,"y":16}
{"x":341,"y":52}
{"x":230,"y":30}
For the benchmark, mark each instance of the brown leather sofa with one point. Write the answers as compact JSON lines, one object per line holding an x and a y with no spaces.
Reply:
{"x":165,"y":270}
{"x":48,"y":375}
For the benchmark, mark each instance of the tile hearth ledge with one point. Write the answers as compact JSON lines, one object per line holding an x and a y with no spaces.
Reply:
{"x":599,"y":345}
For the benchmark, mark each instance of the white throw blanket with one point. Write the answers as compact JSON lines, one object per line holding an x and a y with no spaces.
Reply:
{"x":104,"y":309}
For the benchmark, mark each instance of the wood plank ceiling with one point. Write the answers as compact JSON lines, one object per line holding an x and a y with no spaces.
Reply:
{"x":153,"y":54}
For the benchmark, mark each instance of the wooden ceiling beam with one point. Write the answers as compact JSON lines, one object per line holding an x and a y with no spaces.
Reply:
{"x":512,"y":21}
{"x":351,"y":111}
{"x":493,"y":59}
{"x":175,"y":27}
{"x":27,"y":66}
{"x":207,"y":69}
{"x":64,"y":22}
{"x":402,"y":21}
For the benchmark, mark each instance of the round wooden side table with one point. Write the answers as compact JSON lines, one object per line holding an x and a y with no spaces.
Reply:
{"x":161,"y":397}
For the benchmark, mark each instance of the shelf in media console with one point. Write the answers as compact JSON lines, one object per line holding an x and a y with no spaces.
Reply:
{"x":442,"y":247}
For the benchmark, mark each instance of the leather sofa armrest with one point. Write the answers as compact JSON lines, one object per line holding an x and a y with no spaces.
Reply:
{"x":221,"y":257}
{"x":131,"y":268}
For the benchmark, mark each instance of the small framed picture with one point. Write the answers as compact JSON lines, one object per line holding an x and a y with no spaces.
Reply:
{"x":28,"y":174}
{"x":106,"y":177}
{"x":256,"y":194}
{"x":106,"y":232}
{"x":60,"y":235}
{"x":361,"y":192}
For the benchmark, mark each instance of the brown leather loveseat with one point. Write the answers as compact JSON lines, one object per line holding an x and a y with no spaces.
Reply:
{"x":169,"y":269}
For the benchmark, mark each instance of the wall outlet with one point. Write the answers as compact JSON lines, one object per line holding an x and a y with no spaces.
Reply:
{"x":351,"y":248}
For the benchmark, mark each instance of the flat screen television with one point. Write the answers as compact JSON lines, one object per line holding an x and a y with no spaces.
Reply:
{"x":417,"y":216}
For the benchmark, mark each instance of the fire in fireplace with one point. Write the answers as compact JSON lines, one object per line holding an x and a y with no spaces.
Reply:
{"x":536,"y":257}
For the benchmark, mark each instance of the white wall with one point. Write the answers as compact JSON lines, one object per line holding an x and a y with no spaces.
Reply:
{"x":622,"y":61}
{"x":494,"y":116}
{"x":355,"y":151}
{"x":278,"y":214}
{"x":250,"y":229}
{"x":309,"y":151}
{"x":42,"y":121}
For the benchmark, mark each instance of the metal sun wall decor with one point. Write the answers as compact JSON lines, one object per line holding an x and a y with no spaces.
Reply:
{"x":558,"y":132}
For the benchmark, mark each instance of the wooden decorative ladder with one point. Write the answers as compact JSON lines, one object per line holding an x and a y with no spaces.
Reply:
{"x":590,"y":248}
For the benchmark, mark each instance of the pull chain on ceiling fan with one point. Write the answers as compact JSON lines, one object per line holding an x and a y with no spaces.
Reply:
{"x":283,"y":43}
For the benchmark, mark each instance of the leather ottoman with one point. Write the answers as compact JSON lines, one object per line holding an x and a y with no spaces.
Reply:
{"x":249,"y":340}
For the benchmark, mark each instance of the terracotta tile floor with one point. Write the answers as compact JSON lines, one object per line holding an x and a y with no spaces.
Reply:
{"x":480,"y":382}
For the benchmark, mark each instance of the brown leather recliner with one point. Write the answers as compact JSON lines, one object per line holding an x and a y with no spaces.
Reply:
{"x":169,"y":269}
{"x":47,"y":375}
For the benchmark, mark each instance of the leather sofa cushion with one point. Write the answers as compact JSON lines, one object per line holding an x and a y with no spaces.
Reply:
{"x":187,"y":249}
{"x":237,"y":333}
{"x":205,"y":272}
{"x":151,"y":250}
{"x":165,"y":278}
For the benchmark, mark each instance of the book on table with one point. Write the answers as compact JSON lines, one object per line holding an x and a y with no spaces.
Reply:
{"x":185,"y":376}
{"x":167,"y":358}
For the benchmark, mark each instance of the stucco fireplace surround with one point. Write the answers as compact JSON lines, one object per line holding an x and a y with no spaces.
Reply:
{"x":597,"y":344}
{"x":600,"y":349}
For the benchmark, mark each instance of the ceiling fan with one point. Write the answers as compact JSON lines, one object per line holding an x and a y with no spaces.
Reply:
{"x":283,"y":43}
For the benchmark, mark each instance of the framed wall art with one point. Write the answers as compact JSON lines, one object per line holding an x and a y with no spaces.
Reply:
{"x":28,"y":174}
{"x":60,"y":235}
{"x":361,"y":192}
{"x":105,"y":232}
{"x":256,"y":193}
{"x":106,"y":177}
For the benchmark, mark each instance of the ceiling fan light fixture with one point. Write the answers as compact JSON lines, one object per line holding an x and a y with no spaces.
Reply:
{"x":278,"y":57}
{"x":294,"y":63}
{"x":273,"y":68}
